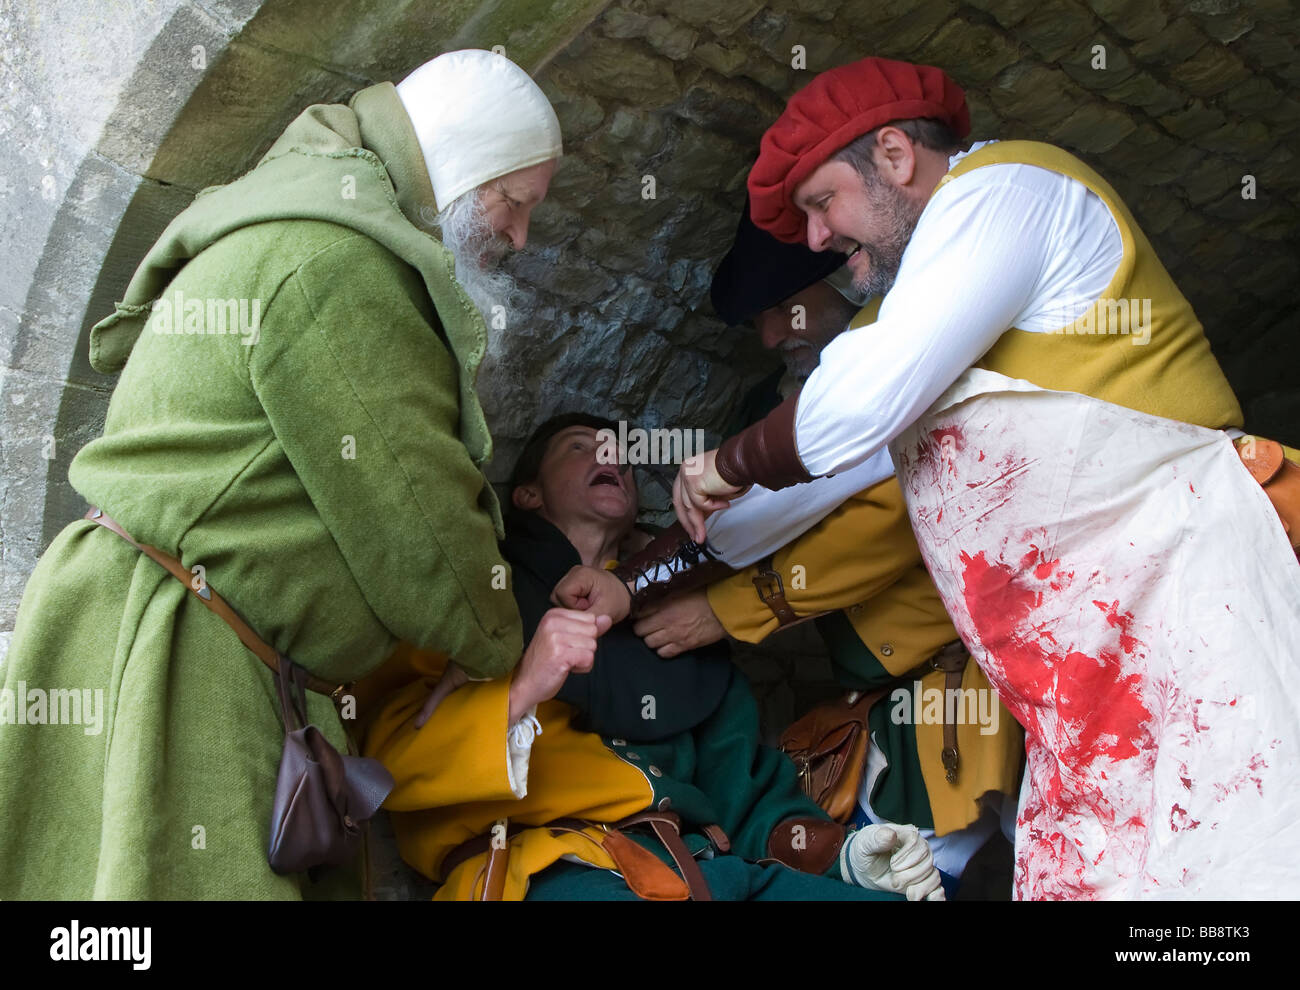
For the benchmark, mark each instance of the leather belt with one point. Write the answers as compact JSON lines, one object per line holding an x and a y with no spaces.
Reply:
{"x":214,"y":603}
{"x":666,"y":826}
{"x":951,"y":659}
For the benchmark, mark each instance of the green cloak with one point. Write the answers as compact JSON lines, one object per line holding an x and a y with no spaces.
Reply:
{"x":297,"y":417}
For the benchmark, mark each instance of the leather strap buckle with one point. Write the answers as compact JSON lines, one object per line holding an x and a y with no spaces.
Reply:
{"x":769,"y":586}
{"x":771,"y":592}
{"x":951,"y":761}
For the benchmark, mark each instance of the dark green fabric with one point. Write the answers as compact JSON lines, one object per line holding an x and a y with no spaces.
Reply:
{"x":611,"y":698}
{"x":728,"y":878}
{"x":719,"y":773}
{"x":327,"y":479}
{"x":899,"y":794}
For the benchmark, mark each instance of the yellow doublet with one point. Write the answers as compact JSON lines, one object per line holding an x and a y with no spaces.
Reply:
{"x":1174,"y":374}
{"x":864,"y":559}
{"x":452,"y":780}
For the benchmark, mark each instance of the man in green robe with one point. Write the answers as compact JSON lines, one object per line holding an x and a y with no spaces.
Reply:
{"x":296,"y":422}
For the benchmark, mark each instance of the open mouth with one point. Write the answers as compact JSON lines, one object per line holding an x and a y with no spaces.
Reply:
{"x":606,"y":476}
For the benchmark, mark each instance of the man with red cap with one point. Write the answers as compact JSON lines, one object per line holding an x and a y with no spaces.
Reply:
{"x":1065,"y":441}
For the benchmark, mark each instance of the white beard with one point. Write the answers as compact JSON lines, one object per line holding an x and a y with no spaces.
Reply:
{"x":467,"y":233}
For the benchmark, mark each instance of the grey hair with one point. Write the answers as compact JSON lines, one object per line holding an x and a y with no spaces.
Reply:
{"x":924,"y":131}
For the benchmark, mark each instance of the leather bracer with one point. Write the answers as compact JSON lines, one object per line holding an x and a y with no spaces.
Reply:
{"x":765,"y":453}
{"x":670,"y":563}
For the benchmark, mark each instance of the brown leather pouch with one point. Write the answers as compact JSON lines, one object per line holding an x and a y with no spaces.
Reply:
{"x":645,"y":874}
{"x":1280,"y":479}
{"x":829,"y":749}
{"x":322,"y":798}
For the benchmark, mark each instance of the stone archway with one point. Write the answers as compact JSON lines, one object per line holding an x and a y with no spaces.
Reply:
{"x":116,"y":116}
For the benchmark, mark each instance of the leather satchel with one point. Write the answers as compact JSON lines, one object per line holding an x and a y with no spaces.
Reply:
{"x":829,"y":750}
{"x":322,"y":798}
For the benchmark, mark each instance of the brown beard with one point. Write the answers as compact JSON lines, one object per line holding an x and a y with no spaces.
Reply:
{"x":899,"y":215}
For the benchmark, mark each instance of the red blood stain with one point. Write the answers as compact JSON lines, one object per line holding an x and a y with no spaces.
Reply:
{"x":1127,"y":642}
{"x":1080,"y":708}
{"x":1180,"y":819}
{"x":981,"y":457}
{"x":1189,"y":485}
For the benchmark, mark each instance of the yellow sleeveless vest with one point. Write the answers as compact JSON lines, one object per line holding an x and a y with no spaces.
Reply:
{"x":1139,"y":345}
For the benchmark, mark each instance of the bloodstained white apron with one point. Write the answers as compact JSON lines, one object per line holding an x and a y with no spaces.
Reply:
{"x":1130,"y":593}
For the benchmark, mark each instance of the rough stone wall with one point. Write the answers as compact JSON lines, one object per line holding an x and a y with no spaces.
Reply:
{"x":1193,"y":97}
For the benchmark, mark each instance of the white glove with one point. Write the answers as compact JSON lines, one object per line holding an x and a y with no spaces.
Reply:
{"x":892,"y":858}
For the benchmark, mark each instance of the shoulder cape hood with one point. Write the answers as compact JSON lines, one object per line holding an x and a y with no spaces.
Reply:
{"x":372,"y":140}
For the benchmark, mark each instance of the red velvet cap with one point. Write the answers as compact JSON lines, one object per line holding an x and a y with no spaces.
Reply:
{"x":839,"y":105}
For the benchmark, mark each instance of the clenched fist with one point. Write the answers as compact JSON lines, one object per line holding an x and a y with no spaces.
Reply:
{"x":564,"y":643}
{"x":590,"y":589}
{"x":894,"y":858}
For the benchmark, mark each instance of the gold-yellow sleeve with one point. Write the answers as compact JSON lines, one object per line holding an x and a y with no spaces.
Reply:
{"x":862,"y":547}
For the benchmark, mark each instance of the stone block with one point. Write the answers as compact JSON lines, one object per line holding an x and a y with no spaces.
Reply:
{"x":671,"y":40}
{"x":810,"y":42}
{"x":1100,"y":63}
{"x":724,"y":58}
{"x":1151,"y":157}
{"x":619,"y":22}
{"x":1056,"y":28}
{"x":734,"y":108}
{"x":1006,"y":12}
{"x":1040,"y":96}
{"x":1276,"y":221}
{"x":1209,"y":72}
{"x":1193,"y":121}
{"x":1249,"y":140}
{"x":631,"y":137}
{"x":1179,"y":41}
{"x":722,"y":17}
{"x":1155,"y":209}
{"x":1094,"y":128}
{"x":893,"y":29}
{"x":1212,"y":179}
{"x":1134,"y":19}
{"x":578,"y":112}
{"x":984,"y":121}
{"x":628,"y":72}
{"x":701,"y":160}
{"x":1143,"y":90}
{"x":970,"y":53}
{"x":1223,"y":20}
{"x":1266,"y":49}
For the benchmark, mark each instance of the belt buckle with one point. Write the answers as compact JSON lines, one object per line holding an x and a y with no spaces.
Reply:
{"x":950,"y":763}
{"x":768,"y":584}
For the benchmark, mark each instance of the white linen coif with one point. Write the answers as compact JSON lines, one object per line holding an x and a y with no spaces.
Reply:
{"x":478,"y":116}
